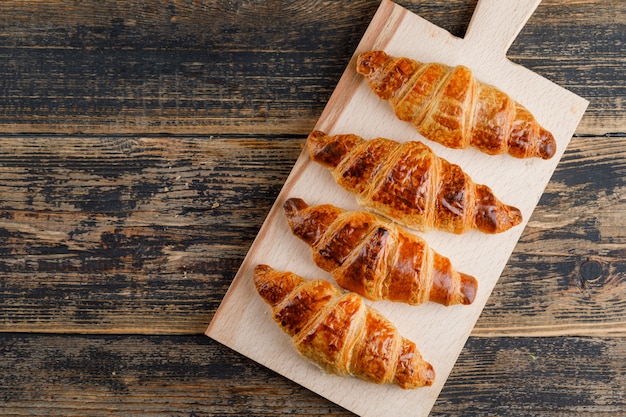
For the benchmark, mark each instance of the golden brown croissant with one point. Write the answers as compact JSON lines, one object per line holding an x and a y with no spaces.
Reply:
{"x":449,"y":106}
{"x":375,"y":258}
{"x":408,"y":183}
{"x":339,"y":333}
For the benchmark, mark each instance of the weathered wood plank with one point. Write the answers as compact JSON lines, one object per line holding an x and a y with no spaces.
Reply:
{"x":145,"y":235}
{"x":183,"y":67}
{"x":536,"y":377}
{"x":189,"y":67}
{"x":580,"y":58}
{"x":150,"y":376}
{"x":129,"y":235}
{"x":193,"y":375}
{"x":568,"y":272}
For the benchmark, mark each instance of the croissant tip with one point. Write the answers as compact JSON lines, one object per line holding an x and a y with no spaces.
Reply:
{"x":329,"y":150}
{"x":429,"y":375}
{"x":493,"y":216}
{"x":368,"y":62}
{"x":547,"y":145}
{"x":372,"y":53}
{"x":294,"y":205}
{"x":262,"y":268}
{"x":515,"y":215}
{"x":260,"y":273}
{"x":511,"y":217}
{"x":316,"y":134}
{"x":469,"y":287}
{"x":259,"y":277}
{"x":272,"y":285}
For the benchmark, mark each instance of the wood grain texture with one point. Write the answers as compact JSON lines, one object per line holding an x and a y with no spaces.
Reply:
{"x":116,"y":232}
{"x":199,"y":67}
{"x":569,"y":263}
{"x":192,"y":375}
{"x":144,"y":235}
{"x":129,"y":235}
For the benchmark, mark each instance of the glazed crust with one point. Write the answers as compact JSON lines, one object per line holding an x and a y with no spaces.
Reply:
{"x":339,"y":333}
{"x":449,"y":106}
{"x":410,"y":184}
{"x":376,"y":259}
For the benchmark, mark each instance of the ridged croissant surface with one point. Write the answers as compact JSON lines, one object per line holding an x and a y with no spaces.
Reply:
{"x":408,"y":183}
{"x":375,"y":258}
{"x":339,"y":333}
{"x":449,"y":106}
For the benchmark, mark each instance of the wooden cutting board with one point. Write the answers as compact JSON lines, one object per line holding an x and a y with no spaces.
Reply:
{"x":243,"y":321}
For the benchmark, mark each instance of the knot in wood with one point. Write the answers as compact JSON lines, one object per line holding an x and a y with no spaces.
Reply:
{"x":590,"y":270}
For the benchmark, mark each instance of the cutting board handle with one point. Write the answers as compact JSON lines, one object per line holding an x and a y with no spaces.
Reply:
{"x":496,"y":23}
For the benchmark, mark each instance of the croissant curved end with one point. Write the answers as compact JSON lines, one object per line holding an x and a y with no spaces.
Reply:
{"x":316,"y":134}
{"x":369,"y":62}
{"x":263,"y":283}
{"x":469,"y":287}
{"x":513,"y":217}
{"x":491,"y":215}
{"x":273,"y":286}
{"x":316,"y":143}
{"x":329,"y":150}
{"x":498,"y":220}
{"x":412,"y":370}
{"x":426,"y":377}
{"x":429,"y":375}
{"x":262,"y":269}
{"x":309,"y":223}
{"x":547,"y":144}
{"x":294,"y":205}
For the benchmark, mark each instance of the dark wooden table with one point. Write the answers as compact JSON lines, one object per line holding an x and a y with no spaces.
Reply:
{"x":142,"y":143}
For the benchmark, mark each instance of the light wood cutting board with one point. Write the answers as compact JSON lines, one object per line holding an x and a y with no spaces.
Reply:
{"x":243,"y":321}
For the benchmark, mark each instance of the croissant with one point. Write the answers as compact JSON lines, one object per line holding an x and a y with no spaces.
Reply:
{"x":408,"y":183}
{"x":449,"y":106}
{"x":339,"y":333}
{"x":375,"y":258}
